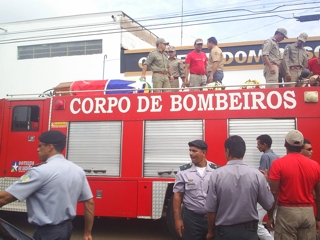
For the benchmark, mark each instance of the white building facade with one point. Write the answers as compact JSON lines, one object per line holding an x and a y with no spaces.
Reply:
{"x":37,"y":55}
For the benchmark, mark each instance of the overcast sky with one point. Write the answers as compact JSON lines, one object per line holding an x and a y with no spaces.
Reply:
{"x":263,"y":24}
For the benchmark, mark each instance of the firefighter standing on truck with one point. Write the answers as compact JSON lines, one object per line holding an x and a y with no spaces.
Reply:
{"x":295,"y":59}
{"x":271,"y":57}
{"x":177,"y":68}
{"x":191,"y":188}
{"x":158,"y":62}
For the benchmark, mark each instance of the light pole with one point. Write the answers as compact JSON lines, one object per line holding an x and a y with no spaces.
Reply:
{"x":181,"y":20}
{"x":104,"y":62}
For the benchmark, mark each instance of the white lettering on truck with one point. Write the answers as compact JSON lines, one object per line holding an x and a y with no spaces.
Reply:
{"x":218,"y":101}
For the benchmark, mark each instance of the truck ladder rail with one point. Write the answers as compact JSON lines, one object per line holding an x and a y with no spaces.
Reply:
{"x":205,"y":88}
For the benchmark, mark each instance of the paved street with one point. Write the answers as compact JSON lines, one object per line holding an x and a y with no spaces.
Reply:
{"x":104,"y":228}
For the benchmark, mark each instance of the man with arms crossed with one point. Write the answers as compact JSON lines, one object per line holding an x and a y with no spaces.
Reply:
{"x":292,"y":181}
{"x":177,"y":68}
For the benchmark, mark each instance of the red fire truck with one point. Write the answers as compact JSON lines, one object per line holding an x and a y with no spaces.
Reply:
{"x":131,"y":145}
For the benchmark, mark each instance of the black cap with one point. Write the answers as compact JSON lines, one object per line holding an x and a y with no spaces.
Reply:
{"x":52,"y":137}
{"x":199,"y":144}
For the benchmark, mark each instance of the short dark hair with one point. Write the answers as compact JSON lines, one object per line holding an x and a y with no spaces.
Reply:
{"x":265,"y":139}
{"x":291,"y":148}
{"x":306,"y":141}
{"x":213,"y":40}
{"x":59,"y":146}
{"x":236,"y":146}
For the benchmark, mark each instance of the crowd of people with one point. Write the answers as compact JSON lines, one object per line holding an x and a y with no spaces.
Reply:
{"x":222,"y":203}
{"x":230,"y":202}
{"x":199,"y":70}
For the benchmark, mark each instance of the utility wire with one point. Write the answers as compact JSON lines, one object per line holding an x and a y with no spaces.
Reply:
{"x":163,"y":18}
{"x":152,"y":26}
{"x":178,"y":15}
{"x":92,"y":33}
{"x":252,"y":30}
{"x":217,"y":8}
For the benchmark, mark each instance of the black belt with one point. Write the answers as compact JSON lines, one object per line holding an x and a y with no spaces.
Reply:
{"x":52,"y":225}
{"x":251,"y":226}
{"x":200,"y":74}
{"x":163,"y":73}
{"x":194,"y":213}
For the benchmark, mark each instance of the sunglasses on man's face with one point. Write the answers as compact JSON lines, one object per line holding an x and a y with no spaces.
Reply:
{"x":309,"y":149}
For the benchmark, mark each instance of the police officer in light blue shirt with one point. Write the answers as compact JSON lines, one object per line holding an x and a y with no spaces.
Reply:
{"x":234,"y":191}
{"x":52,"y":190}
{"x":191,"y":188}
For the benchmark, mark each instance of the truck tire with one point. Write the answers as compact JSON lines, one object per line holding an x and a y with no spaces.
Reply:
{"x":170,"y":219}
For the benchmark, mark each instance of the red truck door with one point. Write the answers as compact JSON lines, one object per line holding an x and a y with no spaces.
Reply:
{"x":24,"y":121}
{"x":2,"y":101}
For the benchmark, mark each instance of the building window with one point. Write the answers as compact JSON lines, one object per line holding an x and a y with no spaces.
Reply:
{"x":25,"y":118}
{"x":60,"y":49}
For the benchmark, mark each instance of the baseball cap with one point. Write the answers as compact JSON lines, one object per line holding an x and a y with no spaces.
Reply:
{"x":52,"y":137}
{"x":283,"y":31}
{"x":294,"y":138}
{"x":171,"y":49}
{"x":198,"y":144}
{"x":161,"y":40}
{"x":198,"y":41}
{"x":303,"y":37}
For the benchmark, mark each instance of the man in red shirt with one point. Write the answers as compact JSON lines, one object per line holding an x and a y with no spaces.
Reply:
{"x":195,"y":64}
{"x":292,"y":181}
{"x":314,"y":65}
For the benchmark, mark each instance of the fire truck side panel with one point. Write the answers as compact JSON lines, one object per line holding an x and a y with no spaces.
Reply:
{"x":114,"y":198}
{"x":144,"y":199}
{"x":215,"y":131}
{"x":311,"y":131}
{"x":132,"y":147}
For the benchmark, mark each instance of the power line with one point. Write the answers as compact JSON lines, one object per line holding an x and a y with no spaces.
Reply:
{"x":164,"y":17}
{"x":173,"y":24}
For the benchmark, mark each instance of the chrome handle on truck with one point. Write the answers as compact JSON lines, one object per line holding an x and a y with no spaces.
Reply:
{"x":167,"y":172}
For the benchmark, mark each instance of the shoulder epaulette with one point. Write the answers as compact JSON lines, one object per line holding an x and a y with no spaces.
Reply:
{"x":186,"y":166}
{"x":213,"y":166}
{"x":39,"y":164}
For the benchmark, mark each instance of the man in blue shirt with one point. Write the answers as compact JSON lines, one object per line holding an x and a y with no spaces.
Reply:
{"x":52,"y":190}
{"x":264,"y":143}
